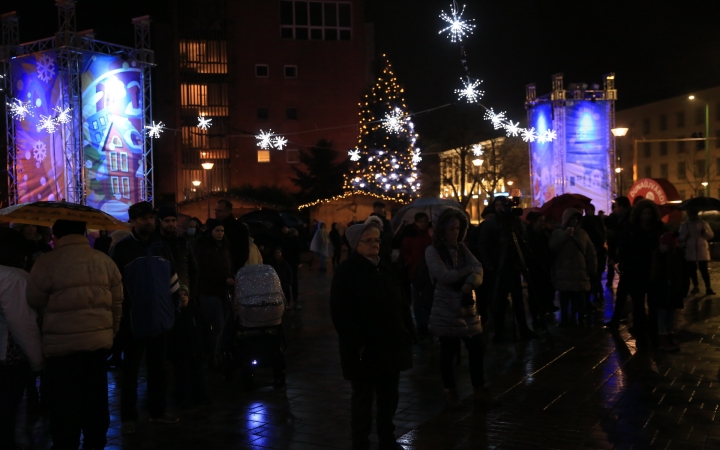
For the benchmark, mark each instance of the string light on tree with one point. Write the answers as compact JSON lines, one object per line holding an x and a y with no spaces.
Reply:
{"x":19,"y":109}
{"x":204,"y":123}
{"x":47,"y":123}
{"x":457,"y":28}
{"x":354,"y":156}
{"x":470,"y":90}
{"x":155,"y":129}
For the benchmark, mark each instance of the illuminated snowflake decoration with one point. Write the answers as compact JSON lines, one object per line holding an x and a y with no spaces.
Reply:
{"x":19,"y":110}
{"x":477,"y":150}
{"x":47,"y":123}
{"x":39,"y":151}
{"x":496,"y":119}
{"x":63,"y":114}
{"x":204,"y":123}
{"x":155,"y":129}
{"x":395,"y":121}
{"x":45,"y":68}
{"x":529,"y":135}
{"x":279,"y":142}
{"x":512,"y":129}
{"x":457,"y":28}
{"x":265,"y":139}
{"x":550,"y":135}
{"x":354,"y":155}
{"x":470,"y":91}
{"x":416,"y":156}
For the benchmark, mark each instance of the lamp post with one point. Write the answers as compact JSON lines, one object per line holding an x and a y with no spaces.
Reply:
{"x":206,"y":167}
{"x":618,"y":133}
{"x":707,"y":144}
{"x":618,"y":171}
{"x":477,"y":162}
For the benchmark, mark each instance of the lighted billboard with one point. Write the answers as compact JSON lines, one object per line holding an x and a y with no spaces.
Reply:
{"x":542,"y":154}
{"x":112,"y":132}
{"x":39,"y":162}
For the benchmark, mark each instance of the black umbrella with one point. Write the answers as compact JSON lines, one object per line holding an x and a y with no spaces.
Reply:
{"x":701,"y":204}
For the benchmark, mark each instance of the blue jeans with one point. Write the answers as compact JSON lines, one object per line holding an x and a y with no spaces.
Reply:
{"x":217,"y":315}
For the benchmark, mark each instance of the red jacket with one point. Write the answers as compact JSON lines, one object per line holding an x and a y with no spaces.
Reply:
{"x":413,"y":248}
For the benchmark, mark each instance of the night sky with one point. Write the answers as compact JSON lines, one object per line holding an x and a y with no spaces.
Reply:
{"x":656,"y":49}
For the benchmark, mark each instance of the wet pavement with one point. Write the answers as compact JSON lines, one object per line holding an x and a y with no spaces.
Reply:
{"x":576,"y":388}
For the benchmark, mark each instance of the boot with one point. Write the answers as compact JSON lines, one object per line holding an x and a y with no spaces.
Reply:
{"x":453,"y":400}
{"x":482,"y":397}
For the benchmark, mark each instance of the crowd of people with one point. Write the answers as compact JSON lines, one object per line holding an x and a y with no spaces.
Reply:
{"x":68,"y":312}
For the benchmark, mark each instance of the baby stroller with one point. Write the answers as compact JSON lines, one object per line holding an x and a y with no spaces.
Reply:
{"x":255,"y":335}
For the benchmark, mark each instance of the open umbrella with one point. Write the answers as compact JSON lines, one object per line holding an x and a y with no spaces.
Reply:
{"x":46,"y":213}
{"x":557,"y":205}
{"x":433,"y":207}
{"x":701,"y":204}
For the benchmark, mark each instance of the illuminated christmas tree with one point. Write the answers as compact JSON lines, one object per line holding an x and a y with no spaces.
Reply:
{"x":385,"y":162}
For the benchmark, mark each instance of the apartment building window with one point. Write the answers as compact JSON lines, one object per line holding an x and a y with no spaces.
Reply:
{"x":647,"y":149}
{"x":663,"y":170}
{"x":263,"y":114}
{"x":292,"y":156}
{"x":663,"y":122}
{"x":317,"y":21}
{"x":204,"y":56}
{"x":680,"y":119}
{"x":648,"y":171}
{"x":700,"y":168}
{"x":193,"y":94}
{"x":681,"y":171}
{"x":682,"y":194}
{"x":194,"y":137}
{"x":290,"y":71}
{"x":700,"y":115}
{"x":206,"y":99}
{"x":262,"y":70}
{"x":681,"y":145}
{"x":663,"y":148}
{"x":646,"y":126}
{"x":291,"y":114}
{"x":263,"y":156}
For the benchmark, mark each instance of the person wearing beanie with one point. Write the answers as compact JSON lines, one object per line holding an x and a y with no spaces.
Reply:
{"x":375,"y":333}
{"x":668,"y":287}
{"x":387,"y":238}
{"x":80,"y":291}
{"x":152,"y":295}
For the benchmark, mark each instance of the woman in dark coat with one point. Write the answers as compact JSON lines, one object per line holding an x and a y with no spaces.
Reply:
{"x":215,"y":278}
{"x":337,"y":242}
{"x":668,"y":287}
{"x":375,"y":331}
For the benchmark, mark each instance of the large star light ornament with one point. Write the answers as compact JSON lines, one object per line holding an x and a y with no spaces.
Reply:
{"x":47,"y":123}
{"x":477,"y":150}
{"x":529,"y":135}
{"x":470,"y":90}
{"x":496,"y":118}
{"x":264,"y":139}
{"x":457,"y":28}
{"x":354,"y":155}
{"x":19,"y":109}
{"x":512,"y":129}
{"x":204,"y":123}
{"x":63,"y":114}
{"x":155,"y":129}
{"x":279,"y":142}
{"x":395,"y":121}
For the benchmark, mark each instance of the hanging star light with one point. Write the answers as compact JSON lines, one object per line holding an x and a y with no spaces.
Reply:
{"x":354,"y":155}
{"x":470,"y":90}
{"x":204,"y":123}
{"x":416,"y":156}
{"x":394,"y":121}
{"x":47,"y":123}
{"x":550,"y":135}
{"x":19,"y":109}
{"x":458,"y":28}
{"x":529,"y":135}
{"x":496,"y":119}
{"x":512,"y":129}
{"x":63,"y":114}
{"x":155,"y":129}
{"x":264,"y":139}
{"x":477,"y":149}
{"x":279,"y":142}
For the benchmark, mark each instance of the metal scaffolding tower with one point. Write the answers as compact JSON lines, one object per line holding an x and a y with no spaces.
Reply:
{"x":10,"y":42}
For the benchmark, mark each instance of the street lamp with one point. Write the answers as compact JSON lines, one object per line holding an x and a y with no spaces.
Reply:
{"x":477,"y":162}
{"x":196,"y":183}
{"x":707,"y":144}
{"x":619,"y":132}
{"x":510,"y":183}
{"x":206,"y":167}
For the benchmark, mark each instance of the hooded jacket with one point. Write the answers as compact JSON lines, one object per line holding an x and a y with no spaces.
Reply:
{"x":81,"y":291}
{"x":575,"y":257}
{"x":17,"y":319}
{"x":695,"y":235}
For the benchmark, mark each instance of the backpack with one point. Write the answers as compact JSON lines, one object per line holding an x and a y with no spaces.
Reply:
{"x":148,"y":280}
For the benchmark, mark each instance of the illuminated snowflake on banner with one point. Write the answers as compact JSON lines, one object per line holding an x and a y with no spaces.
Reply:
{"x":39,"y":151}
{"x":279,"y":142}
{"x":19,"y":110}
{"x":204,"y":123}
{"x":45,"y":68}
{"x":354,"y":155}
{"x":477,"y":150}
{"x":47,"y":123}
{"x":458,"y":28}
{"x":529,"y":135}
{"x":395,"y":121}
{"x":264,"y":139}
{"x":155,"y":129}
{"x":63,"y":114}
{"x":470,"y":90}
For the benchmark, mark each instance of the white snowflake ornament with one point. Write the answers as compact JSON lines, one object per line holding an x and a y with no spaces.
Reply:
{"x":279,"y":142}
{"x":264,"y":139}
{"x":155,"y":129}
{"x":354,"y":155}
{"x":457,"y":28}
{"x":470,"y":91}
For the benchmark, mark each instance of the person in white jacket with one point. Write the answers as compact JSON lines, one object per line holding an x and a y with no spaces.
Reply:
{"x":20,"y":344}
{"x":695,"y":234}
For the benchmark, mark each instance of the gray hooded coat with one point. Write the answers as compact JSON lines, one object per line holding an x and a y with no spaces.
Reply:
{"x":574,"y":257}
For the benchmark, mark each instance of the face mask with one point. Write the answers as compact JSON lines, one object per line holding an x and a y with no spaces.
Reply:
{"x":191,"y":231}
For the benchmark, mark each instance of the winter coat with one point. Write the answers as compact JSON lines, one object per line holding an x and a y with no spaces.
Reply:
{"x":254,"y":256}
{"x":291,"y":249}
{"x":635,"y":252}
{"x":17,"y":319}
{"x":237,"y":234}
{"x":185,"y":262}
{"x":284,"y":272}
{"x":574,"y":257}
{"x":321,"y":243}
{"x":370,"y":313}
{"x":448,"y":316}
{"x":696,"y":234}
{"x":103,"y":243}
{"x":669,"y":282}
{"x":215,"y":266}
{"x":495,"y":236}
{"x":336,"y":240}
{"x":413,"y":247}
{"x":81,"y":292}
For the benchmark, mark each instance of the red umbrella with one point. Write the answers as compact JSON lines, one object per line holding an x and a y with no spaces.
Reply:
{"x":557,"y":205}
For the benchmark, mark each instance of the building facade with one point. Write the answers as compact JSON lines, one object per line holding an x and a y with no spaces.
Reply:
{"x":666,"y":139}
{"x":296,"y":68}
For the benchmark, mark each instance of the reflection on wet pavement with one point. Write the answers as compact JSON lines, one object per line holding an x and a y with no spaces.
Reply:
{"x":578,"y":388}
